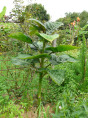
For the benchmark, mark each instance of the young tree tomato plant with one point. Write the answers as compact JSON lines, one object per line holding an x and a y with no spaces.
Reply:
{"x":42,"y":46}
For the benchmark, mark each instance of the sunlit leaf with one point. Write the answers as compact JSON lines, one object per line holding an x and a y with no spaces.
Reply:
{"x":24,"y":56}
{"x":3,"y":12}
{"x":49,"y":38}
{"x":61,"y":48}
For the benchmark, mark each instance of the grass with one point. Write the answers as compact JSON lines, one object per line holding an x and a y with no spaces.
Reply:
{"x":18,"y":88}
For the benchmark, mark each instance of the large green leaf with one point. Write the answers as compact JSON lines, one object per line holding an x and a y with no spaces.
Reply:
{"x":25,"y":56}
{"x":61,"y":48}
{"x":24,"y":62}
{"x":36,"y":45}
{"x":38,"y":24}
{"x":51,"y":27}
{"x":57,"y":76}
{"x":20,"y":62}
{"x":33,"y":30}
{"x":66,"y":58}
{"x":3,"y":12}
{"x":49,"y":38}
{"x":55,"y":60}
{"x":20,"y":36}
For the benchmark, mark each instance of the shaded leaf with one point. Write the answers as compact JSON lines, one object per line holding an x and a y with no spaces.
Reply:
{"x":36,"y":45}
{"x":55,"y":60}
{"x":20,"y":62}
{"x":34,"y":29}
{"x":65,"y":58}
{"x":38,"y":23}
{"x":24,"y":62}
{"x":20,"y":36}
{"x":57,"y":76}
{"x":49,"y":37}
{"x":42,"y":70}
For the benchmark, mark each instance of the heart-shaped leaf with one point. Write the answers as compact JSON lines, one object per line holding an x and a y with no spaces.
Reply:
{"x":49,"y":38}
{"x":51,"y":27}
{"x":57,"y":76}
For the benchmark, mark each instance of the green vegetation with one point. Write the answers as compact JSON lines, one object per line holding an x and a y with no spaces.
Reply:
{"x":37,"y":78}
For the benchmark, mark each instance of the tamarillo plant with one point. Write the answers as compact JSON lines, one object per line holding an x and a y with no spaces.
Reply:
{"x":44,"y":54}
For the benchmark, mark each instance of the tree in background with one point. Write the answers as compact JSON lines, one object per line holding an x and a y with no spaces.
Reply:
{"x":84,"y":18}
{"x":36,"y":11}
{"x":65,"y":33}
{"x":23,"y":13}
{"x":17,"y":11}
{"x":70,"y":17}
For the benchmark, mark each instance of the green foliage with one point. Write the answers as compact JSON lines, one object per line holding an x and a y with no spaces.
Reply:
{"x":17,"y":11}
{"x":57,"y":76}
{"x":55,"y":60}
{"x":75,"y":108}
{"x":36,"y":11}
{"x":3,"y":12}
{"x":21,"y":36}
{"x":39,"y":24}
{"x":51,"y":27}
{"x":49,"y":37}
{"x":83,"y":58}
{"x":61,"y":48}
{"x":11,"y":110}
{"x":70,"y":17}
{"x":33,"y":57}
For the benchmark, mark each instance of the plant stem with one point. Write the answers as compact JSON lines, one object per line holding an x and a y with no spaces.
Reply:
{"x":41,"y":77}
{"x":83,"y":58}
{"x":40,"y":85}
